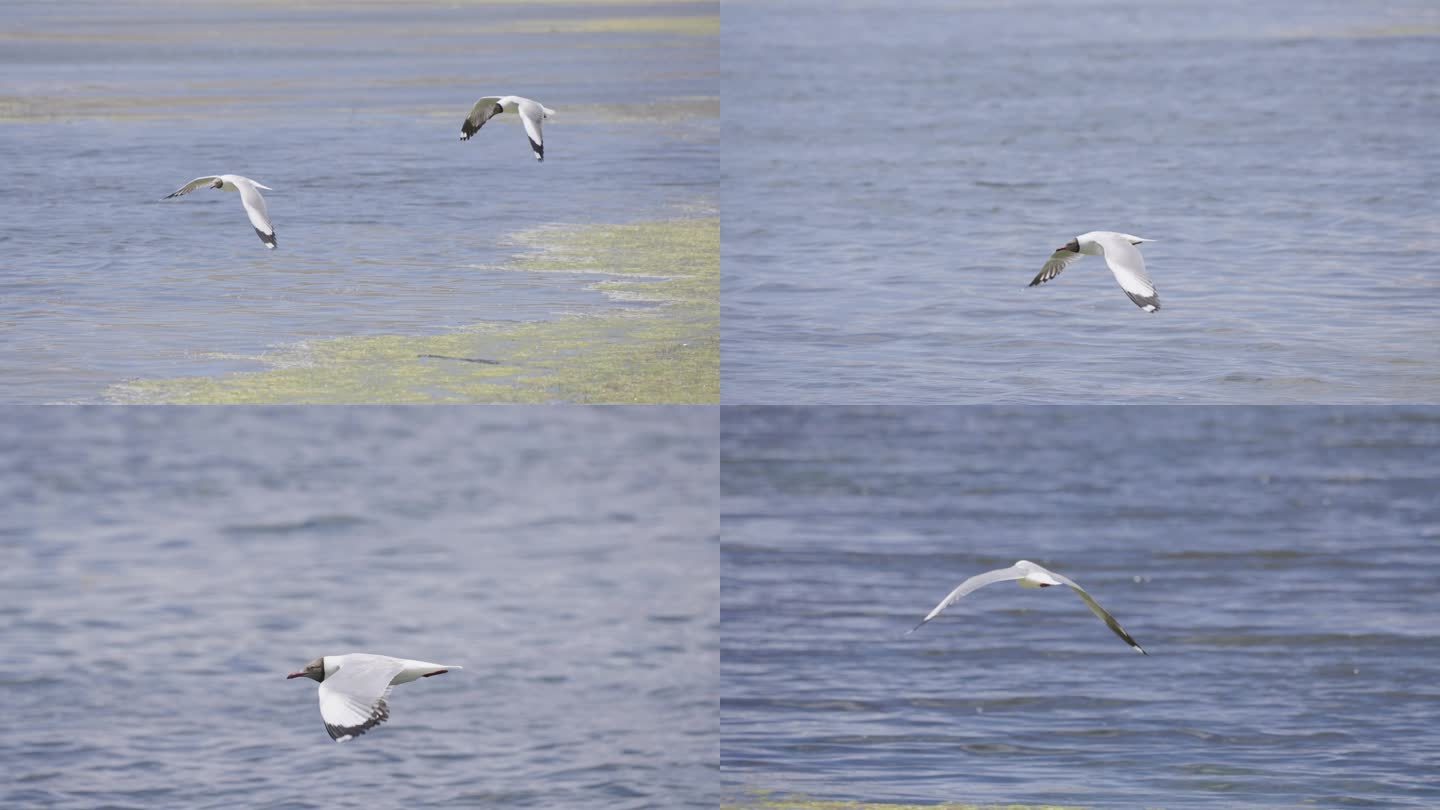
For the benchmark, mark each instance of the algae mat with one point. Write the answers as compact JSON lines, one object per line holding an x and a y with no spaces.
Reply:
{"x":665,"y":353}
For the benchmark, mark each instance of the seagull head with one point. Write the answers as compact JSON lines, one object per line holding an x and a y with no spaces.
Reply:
{"x":1073,"y":246}
{"x":315,"y":669}
{"x":498,"y":109}
{"x":217,"y":183}
{"x":1035,"y":576}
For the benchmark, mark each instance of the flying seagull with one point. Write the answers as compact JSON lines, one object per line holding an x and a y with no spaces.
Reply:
{"x":531,"y":113}
{"x":353,"y":688}
{"x":249,"y":195}
{"x":1030,"y":575}
{"x":1120,"y":253}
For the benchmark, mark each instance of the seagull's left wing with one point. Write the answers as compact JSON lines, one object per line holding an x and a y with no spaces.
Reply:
{"x":479,"y":114}
{"x":352,"y":701}
{"x":973,"y":583}
{"x":1059,"y":260}
{"x":1129,"y":268}
{"x":192,"y":185}
{"x":1101,"y":612}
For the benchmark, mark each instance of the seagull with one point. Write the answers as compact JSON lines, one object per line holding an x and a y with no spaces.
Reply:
{"x":1030,"y":575}
{"x":249,"y":195}
{"x":1120,"y":253}
{"x":353,"y":688}
{"x":531,"y":112}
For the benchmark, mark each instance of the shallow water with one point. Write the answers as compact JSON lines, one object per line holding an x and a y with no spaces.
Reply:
{"x":911,"y":172}
{"x":163,"y":569}
{"x":1281,"y":579}
{"x":387,"y":223}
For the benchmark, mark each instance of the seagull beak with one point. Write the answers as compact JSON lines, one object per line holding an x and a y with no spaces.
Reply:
{"x":295,"y":675}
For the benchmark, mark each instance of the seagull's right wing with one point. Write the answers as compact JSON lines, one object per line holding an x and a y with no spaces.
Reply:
{"x":1101,"y":612}
{"x":352,"y":701}
{"x":1129,"y":268}
{"x":479,"y":114}
{"x":255,"y":209}
{"x":531,"y":113}
{"x":1059,"y":260}
{"x":1014,"y":572}
{"x":192,"y":185}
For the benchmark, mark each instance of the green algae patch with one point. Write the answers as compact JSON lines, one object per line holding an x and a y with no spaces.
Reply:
{"x":665,"y":351}
{"x":675,"y":25}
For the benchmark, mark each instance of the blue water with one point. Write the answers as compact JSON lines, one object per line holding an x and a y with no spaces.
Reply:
{"x":893,"y":179}
{"x":1278,"y":565}
{"x":387,"y":223}
{"x":161,"y":570}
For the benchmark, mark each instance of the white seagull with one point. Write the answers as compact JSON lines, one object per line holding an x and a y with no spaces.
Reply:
{"x":1030,"y":575}
{"x":531,"y":113}
{"x":353,"y":688}
{"x":249,"y":195}
{"x":1120,"y":253}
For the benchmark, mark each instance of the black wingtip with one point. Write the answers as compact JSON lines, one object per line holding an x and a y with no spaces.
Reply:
{"x":379,"y":714}
{"x":1149,"y":303}
{"x":267,"y":238}
{"x":539,"y":149}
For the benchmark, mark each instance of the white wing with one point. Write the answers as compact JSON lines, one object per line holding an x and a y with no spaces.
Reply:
{"x":1129,"y":268}
{"x":192,"y":185}
{"x":1012,"y":573}
{"x":352,"y":701}
{"x":479,"y":114}
{"x":1059,"y":260}
{"x":255,"y":209}
{"x":1099,"y":611}
{"x":531,"y":113}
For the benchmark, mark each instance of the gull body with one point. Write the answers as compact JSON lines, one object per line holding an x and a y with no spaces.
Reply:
{"x":249,"y":196}
{"x":531,"y":114}
{"x":1029,"y":575}
{"x":354,"y":688}
{"x":1121,"y":255}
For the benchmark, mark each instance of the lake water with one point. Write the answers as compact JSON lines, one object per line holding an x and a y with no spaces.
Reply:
{"x":163,"y":569}
{"x":387,"y":223}
{"x":1277,"y":564}
{"x":893,"y":179}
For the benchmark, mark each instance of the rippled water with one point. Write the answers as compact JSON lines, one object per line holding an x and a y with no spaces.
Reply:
{"x":387,"y":223}
{"x":1277,"y":564}
{"x":163,"y":569}
{"x":892,"y":181}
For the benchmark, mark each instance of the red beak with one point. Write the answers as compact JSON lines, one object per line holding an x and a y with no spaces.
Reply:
{"x":295,"y":675}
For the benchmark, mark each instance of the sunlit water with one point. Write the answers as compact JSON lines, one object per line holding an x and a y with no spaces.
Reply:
{"x":163,"y":569}
{"x":893,"y":179}
{"x":387,"y":223}
{"x":1278,"y":565}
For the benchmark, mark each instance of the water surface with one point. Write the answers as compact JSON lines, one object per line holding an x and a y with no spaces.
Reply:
{"x":900,"y":177}
{"x":164,"y":568}
{"x":387,"y":223}
{"x":1277,"y":564}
